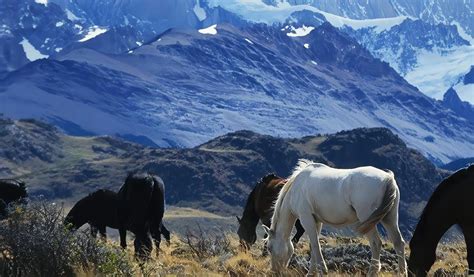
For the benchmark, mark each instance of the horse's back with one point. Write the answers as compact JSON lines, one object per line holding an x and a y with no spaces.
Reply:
{"x":12,"y":189}
{"x":338,"y":196}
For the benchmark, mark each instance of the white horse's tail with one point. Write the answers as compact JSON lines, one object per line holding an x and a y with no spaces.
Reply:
{"x":302,"y":164}
{"x":386,"y":205}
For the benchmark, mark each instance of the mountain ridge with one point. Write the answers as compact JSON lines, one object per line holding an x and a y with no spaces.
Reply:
{"x":215,"y":176}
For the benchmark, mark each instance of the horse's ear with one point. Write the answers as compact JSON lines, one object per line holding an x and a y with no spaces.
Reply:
{"x":238,"y":219}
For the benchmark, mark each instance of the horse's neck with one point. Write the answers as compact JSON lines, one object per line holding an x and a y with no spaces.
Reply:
{"x":250,"y":215}
{"x":283,"y":225}
{"x":434,"y":223}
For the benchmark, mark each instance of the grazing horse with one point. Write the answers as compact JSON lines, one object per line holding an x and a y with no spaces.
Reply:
{"x":11,"y":190}
{"x":318,"y":194}
{"x":100,"y":210}
{"x":451,"y":203}
{"x":260,"y":207}
{"x":141,"y":209}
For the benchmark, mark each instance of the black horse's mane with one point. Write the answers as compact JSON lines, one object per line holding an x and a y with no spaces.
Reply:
{"x":446,"y":184}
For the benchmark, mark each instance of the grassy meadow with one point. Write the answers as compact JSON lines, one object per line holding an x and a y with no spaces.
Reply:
{"x":35,"y":243}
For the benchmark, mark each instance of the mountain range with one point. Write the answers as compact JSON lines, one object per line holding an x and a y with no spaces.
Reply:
{"x":187,"y":86}
{"x":116,"y":67}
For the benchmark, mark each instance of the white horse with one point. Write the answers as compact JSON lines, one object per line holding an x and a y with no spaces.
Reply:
{"x":318,"y":194}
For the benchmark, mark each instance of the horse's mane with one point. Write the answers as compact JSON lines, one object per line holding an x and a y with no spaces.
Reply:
{"x":446,"y":184}
{"x":300,"y":166}
{"x":249,"y":210}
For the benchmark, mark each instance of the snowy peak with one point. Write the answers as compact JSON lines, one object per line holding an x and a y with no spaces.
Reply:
{"x":34,"y":30}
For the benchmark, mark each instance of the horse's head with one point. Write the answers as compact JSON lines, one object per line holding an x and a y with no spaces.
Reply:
{"x":280,"y":250}
{"x":246,"y":232}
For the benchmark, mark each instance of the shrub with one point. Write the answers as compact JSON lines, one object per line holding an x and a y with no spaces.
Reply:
{"x":34,"y":242}
{"x":208,"y":245}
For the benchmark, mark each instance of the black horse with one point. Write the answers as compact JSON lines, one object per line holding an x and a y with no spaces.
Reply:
{"x":100,"y":210}
{"x":451,"y":203}
{"x":259,"y":207}
{"x":11,"y":190}
{"x":141,"y":209}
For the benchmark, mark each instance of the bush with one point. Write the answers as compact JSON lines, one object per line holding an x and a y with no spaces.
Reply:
{"x":34,"y":242}
{"x":204,"y":246}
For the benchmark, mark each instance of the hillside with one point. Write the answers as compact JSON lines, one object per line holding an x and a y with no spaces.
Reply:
{"x":216,"y":176}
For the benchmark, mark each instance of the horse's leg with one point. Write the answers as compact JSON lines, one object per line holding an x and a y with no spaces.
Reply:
{"x":157,"y":240}
{"x":267,"y":221}
{"x":390,"y":223}
{"x":166,"y":233}
{"x":299,"y":231}
{"x":94,"y":230}
{"x":103,"y":232}
{"x":312,"y":228}
{"x":469,"y":238}
{"x":375,"y":247}
{"x":123,"y":237}
{"x":143,"y":245}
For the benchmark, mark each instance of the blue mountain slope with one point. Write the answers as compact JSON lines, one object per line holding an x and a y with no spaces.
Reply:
{"x":186,"y":86}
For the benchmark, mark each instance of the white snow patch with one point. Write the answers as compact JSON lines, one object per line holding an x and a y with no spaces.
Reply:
{"x":92,"y":33}
{"x":59,"y":23}
{"x":300,"y":32}
{"x":435,"y":73}
{"x":199,"y":11}
{"x":71,"y":16}
{"x":43,"y":2}
{"x":138,"y":43}
{"x":463,"y":33}
{"x":211,"y":30}
{"x":306,"y":45}
{"x":258,"y":11}
{"x":249,"y":41}
{"x":59,"y":49}
{"x":465,"y":92}
{"x":31,"y":52}
{"x":313,"y":62}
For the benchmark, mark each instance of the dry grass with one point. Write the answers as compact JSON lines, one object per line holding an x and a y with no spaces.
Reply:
{"x":179,"y":259}
{"x":201,"y":252}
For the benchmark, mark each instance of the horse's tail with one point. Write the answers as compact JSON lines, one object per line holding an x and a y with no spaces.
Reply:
{"x":388,"y":201}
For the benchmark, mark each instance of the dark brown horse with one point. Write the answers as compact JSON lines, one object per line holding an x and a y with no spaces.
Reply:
{"x":450,"y":204}
{"x":141,"y":209}
{"x":11,"y":190}
{"x":260,"y":207}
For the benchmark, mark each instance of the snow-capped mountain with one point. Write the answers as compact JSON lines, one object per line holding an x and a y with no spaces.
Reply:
{"x":447,"y":12}
{"x":34,"y":29}
{"x":430,"y":43}
{"x":190,"y":85}
{"x":431,"y":57}
{"x":401,"y":44}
